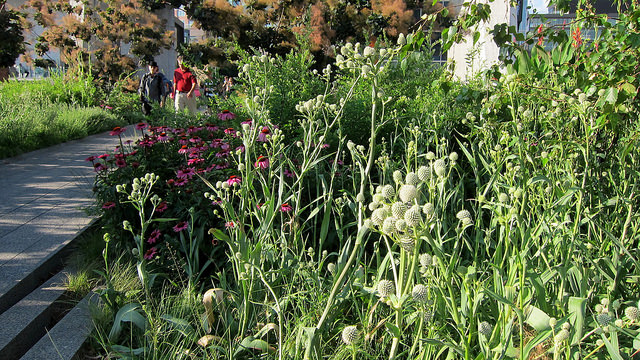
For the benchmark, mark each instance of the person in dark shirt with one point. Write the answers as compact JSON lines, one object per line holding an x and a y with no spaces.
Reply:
{"x":153,"y":86}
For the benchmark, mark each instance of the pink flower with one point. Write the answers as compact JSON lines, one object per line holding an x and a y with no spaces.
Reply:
{"x":212,"y":127}
{"x":185,"y":173}
{"x":103,"y":156}
{"x":141,"y":126}
{"x":240,"y":148}
{"x":229,"y":224}
{"x":155,"y":236}
{"x":121,"y":163}
{"x":99,"y":167}
{"x":91,"y":158}
{"x":288,"y":173}
{"x":180,"y":182}
{"x":226,"y":115}
{"x":182,"y":225}
{"x":116,"y":131}
{"x":109,"y":205}
{"x":247,"y":122}
{"x":285,"y":207}
{"x":262,"y":137}
{"x":151,"y":253}
{"x":162,"y":207}
{"x":233,"y":179}
{"x":195,"y":161}
{"x":183,"y":150}
{"x":262,"y":162}
{"x":230,"y":131}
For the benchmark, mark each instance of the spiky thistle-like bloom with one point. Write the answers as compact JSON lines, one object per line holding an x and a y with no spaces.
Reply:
{"x":412,"y":179}
{"x":388,"y":191}
{"x":378,"y":216}
{"x":485,"y":329}
{"x":385,"y":288}
{"x":428,"y":209}
{"x":401,"y":225}
{"x":632,"y":313}
{"x":420,"y":293}
{"x":424,"y":173}
{"x":440,"y":168}
{"x":465,"y":217}
{"x":398,"y":210}
{"x":413,"y":216}
{"x":426,"y":260}
{"x":389,"y":225}
{"x":350,"y":335}
{"x":408,"y":193}
{"x":397,"y":176}
{"x":407,"y":243}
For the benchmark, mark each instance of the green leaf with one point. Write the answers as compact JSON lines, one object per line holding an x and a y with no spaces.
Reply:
{"x":218,"y":234}
{"x":613,"y":351}
{"x":611,"y":95}
{"x":127,"y":313}
{"x":252,"y":344}
{"x":181,"y":325}
{"x":577,"y":311}
{"x":537,"y":318}
{"x":393,"y":329}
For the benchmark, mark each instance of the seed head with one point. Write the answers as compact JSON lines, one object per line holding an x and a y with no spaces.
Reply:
{"x":412,"y":178}
{"x":464,"y":215}
{"x":407,"y":243}
{"x":503,"y":198}
{"x":428,"y":209}
{"x":401,"y":225}
{"x":397,"y":176}
{"x":413,"y":216}
{"x":378,"y":197}
{"x":426,"y":260}
{"x":408,"y":193}
{"x":374,"y":205}
{"x":385,"y":288}
{"x":440,"y":168}
{"x":424,"y":173}
{"x":604,"y":319}
{"x":388,"y":191}
{"x":453,"y":156}
{"x":420,"y":294}
{"x":360,"y":198}
{"x":431,"y":155}
{"x":632,"y":313}
{"x":389,"y":225}
{"x":350,"y":335}
{"x":378,"y":216}
{"x":398,"y":210}
{"x":485,"y":329}
{"x":561,"y":336}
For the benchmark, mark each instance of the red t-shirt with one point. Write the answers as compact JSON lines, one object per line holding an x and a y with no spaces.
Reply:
{"x":183,"y":80}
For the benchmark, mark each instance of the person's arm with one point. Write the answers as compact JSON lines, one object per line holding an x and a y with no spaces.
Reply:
{"x":141,"y":86}
{"x":194,"y":82}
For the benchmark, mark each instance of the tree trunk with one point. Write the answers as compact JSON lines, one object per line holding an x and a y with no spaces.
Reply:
{"x":4,"y":74}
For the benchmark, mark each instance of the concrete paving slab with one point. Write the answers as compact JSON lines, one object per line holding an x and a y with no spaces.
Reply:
{"x":42,"y":196}
{"x":67,"y":336}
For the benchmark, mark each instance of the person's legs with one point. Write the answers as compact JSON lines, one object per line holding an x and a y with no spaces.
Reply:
{"x":191,"y":105}
{"x":180,"y":101}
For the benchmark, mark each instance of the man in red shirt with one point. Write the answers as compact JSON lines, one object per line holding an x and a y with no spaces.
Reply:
{"x":184,"y":85}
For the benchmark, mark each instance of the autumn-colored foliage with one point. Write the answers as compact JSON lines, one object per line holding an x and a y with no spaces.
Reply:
{"x":97,"y":35}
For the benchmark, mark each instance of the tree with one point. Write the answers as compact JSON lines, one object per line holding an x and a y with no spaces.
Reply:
{"x":276,"y":26}
{"x":95,"y":35}
{"x":11,"y":39}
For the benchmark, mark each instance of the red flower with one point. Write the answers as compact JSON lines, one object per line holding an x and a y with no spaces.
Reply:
{"x":226,"y":115}
{"x":262,"y":137}
{"x":116,"y":131}
{"x":141,"y":126}
{"x":233,"y":179}
{"x":262,"y":162}
{"x":155,"y":236}
{"x":577,"y":37}
{"x":151,"y":253}
{"x":162,"y":207}
{"x":109,"y":205}
{"x":229,"y":224}
{"x":182,"y":225}
{"x":285,"y":207}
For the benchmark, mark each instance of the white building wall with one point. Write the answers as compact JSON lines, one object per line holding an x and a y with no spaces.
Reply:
{"x":469,"y":59}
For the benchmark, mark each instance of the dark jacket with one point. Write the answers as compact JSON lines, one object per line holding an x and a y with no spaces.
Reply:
{"x":152,"y":87}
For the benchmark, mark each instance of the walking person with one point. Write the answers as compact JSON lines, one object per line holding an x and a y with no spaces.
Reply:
{"x":184,"y":85}
{"x":152,"y":86}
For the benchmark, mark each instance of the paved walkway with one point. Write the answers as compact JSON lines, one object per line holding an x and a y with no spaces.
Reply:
{"x":42,"y":194}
